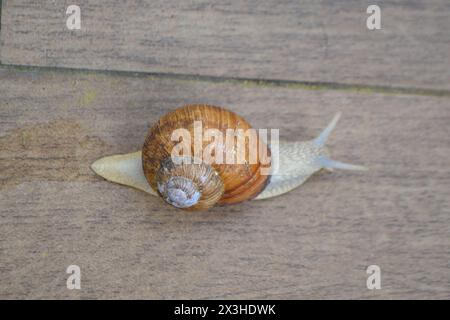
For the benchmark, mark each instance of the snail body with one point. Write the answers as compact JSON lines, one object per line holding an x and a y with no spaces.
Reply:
{"x":192,"y":183}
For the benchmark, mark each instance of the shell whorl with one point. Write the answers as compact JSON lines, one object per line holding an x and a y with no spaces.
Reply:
{"x":188,"y":185}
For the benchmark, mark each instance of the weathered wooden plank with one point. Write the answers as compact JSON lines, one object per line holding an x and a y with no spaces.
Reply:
{"x":314,"y":242}
{"x":307,"y":40}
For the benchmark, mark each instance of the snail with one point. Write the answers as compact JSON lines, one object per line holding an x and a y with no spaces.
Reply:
{"x":187,"y":181}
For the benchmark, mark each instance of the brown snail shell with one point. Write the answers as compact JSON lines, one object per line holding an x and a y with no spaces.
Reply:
{"x":216,"y":182}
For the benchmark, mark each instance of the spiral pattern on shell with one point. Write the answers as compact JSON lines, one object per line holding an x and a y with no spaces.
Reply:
{"x":199,"y":186}
{"x":193,"y":186}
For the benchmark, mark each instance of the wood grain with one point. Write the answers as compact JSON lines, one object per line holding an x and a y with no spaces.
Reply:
{"x":309,"y":40}
{"x":314,"y":242}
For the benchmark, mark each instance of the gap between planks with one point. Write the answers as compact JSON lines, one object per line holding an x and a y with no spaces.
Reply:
{"x":250,"y":82}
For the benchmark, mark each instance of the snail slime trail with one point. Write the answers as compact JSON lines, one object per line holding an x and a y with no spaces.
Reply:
{"x":199,"y":156}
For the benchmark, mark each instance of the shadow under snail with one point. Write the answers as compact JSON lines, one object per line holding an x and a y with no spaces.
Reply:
{"x":199,"y":185}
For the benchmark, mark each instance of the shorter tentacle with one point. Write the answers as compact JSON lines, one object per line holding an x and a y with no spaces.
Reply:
{"x":328,"y":163}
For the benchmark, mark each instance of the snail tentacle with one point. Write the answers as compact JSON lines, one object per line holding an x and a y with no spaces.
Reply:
{"x":299,"y":160}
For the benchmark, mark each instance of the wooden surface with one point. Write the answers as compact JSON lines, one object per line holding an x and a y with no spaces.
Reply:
{"x":325,"y":41}
{"x":314,"y":242}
